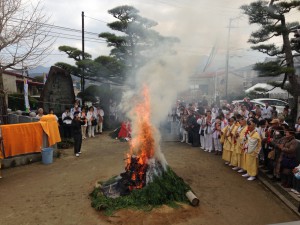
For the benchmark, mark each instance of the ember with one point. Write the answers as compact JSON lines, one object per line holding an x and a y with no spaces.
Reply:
{"x":135,"y":173}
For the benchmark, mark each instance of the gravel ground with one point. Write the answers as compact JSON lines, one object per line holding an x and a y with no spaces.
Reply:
{"x":57,"y":194}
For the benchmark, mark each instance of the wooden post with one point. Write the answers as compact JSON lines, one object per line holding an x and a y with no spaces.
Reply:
{"x":192,"y":198}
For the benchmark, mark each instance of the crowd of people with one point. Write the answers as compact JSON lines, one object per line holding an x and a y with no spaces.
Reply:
{"x":247,"y":137}
{"x":79,"y":123}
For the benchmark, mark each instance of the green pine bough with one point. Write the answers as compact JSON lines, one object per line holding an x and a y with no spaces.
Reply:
{"x":168,"y":189}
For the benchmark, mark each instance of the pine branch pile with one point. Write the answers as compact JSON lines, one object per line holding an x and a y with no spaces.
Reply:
{"x":168,"y":189}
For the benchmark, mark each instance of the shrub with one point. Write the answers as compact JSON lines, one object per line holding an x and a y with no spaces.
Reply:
{"x":16,"y":102}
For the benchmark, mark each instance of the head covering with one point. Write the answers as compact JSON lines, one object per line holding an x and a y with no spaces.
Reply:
{"x":76,"y":113}
{"x":291,"y":130}
{"x":274,"y":121}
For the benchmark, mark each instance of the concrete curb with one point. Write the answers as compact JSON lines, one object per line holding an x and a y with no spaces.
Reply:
{"x":286,"y":201}
{"x":25,"y":159}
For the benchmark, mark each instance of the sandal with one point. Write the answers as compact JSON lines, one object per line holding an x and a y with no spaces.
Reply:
{"x":295,"y":192}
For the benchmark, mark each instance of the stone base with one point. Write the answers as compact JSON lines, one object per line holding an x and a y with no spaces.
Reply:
{"x":25,"y":159}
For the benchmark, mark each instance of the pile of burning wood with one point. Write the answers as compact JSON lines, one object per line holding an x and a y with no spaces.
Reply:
{"x":144,"y":165}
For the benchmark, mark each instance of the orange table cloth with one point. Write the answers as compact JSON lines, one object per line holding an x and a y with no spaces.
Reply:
{"x":22,"y":138}
{"x":50,"y":127}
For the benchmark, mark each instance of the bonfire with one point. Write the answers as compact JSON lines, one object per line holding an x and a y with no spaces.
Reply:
{"x":147,"y":181}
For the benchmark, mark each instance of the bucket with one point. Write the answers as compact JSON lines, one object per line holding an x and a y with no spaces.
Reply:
{"x":47,"y":155}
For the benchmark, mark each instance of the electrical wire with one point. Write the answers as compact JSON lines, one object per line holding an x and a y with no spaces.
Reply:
{"x":96,"y":19}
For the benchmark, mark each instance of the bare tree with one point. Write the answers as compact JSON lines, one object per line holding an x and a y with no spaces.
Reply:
{"x":24,"y":40}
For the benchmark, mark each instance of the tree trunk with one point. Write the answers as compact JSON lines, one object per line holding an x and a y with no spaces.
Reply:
{"x":298,"y":107}
{"x":3,"y":105}
{"x":290,"y":64}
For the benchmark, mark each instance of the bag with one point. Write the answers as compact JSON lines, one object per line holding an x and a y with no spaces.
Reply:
{"x":202,"y":133}
{"x":94,"y":122}
{"x":271,"y":155}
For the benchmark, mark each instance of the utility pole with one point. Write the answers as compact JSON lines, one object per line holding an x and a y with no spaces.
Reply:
{"x":227,"y":57}
{"x":82,"y":29}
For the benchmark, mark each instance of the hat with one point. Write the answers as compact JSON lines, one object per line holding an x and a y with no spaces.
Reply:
{"x":274,"y":121}
{"x":291,"y":130}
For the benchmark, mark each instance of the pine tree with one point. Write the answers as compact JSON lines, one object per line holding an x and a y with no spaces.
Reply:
{"x":139,"y":42}
{"x":271,"y":17}
{"x":102,"y":69}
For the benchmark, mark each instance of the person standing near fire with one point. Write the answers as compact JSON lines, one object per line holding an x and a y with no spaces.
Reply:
{"x":229,"y":140}
{"x":227,"y":137}
{"x":216,"y":135}
{"x":266,"y":112}
{"x":92,"y":121}
{"x":240,"y":135}
{"x":67,"y":118}
{"x":100,"y":116}
{"x":184,"y":126}
{"x":76,"y":108}
{"x":40,"y":113}
{"x":208,"y":132}
{"x":252,"y":147}
{"x":234,"y":154}
{"x":77,"y":122}
{"x":84,"y":126}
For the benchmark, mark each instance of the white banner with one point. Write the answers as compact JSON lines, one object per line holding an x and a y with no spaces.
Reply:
{"x":27,"y":106}
{"x":45,"y":78}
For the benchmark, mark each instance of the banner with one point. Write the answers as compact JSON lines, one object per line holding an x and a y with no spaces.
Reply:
{"x":27,"y":106}
{"x":45,"y":77}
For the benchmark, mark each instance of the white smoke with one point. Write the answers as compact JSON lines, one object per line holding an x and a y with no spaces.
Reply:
{"x":165,"y":76}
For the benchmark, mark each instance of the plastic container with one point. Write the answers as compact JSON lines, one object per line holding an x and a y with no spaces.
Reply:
{"x":47,"y":155}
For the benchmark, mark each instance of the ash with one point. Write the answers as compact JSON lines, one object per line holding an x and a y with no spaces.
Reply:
{"x":155,"y":169}
{"x":119,"y":186}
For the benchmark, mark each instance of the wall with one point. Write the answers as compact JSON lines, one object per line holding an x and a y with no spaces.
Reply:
{"x":9,"y":83}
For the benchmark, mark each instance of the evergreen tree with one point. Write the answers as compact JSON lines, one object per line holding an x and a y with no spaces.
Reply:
{"x":139,"y":41}
{"x":102,"y":69}
{"x":271,"y":17}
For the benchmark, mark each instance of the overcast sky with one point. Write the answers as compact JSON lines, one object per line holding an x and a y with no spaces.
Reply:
{"x":199,"y":24}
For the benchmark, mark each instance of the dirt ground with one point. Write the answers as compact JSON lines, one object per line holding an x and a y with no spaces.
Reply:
{"x":57,"y":194}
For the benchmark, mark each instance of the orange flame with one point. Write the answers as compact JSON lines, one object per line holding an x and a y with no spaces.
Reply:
{"x":143,"y":140}
{"x":142,"y":143}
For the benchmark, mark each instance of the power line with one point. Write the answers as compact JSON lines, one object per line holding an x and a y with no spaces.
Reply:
{"x":55,"y":27}
{"x":65,"y":35}
{"x":6,"y":53}
{"x":96,"y":19}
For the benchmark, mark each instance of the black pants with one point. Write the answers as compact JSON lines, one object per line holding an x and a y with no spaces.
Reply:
{"x":196,"y":139}
{"x":266,"y":150}
{"x":77,"y":143}
{"x":190,"y":136}
{"x":67,"y":130}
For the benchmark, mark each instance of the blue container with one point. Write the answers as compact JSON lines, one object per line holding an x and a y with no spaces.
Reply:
{"x":47,"y":155}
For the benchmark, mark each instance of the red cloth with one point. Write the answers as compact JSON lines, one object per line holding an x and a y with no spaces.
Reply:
{"x":125,"y":130}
